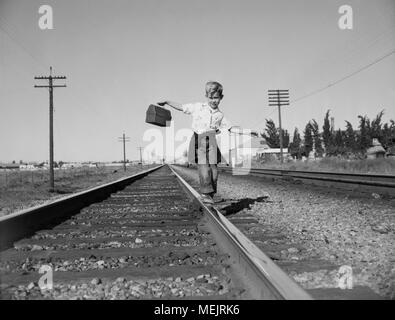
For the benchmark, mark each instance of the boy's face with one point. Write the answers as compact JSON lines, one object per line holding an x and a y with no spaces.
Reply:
{"x":214,"y":99}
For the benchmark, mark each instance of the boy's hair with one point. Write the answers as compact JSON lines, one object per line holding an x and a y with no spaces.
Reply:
{"x":213,"y":87}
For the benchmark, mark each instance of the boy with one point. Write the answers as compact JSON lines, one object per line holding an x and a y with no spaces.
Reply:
{"x":207,"y":121}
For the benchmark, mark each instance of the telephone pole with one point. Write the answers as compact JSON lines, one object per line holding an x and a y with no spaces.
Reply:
{"x":279,"y":98}
{"x":236,"y":143}
{"x":230,"y":148}
{"x":51,"y":86}
{"x":141,"y":155}
{"x":124,"y":139}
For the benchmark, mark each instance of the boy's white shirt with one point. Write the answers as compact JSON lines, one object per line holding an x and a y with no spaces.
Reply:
{"x":205,"y":119}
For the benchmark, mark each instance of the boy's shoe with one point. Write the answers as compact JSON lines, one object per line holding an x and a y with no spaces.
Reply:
{"x":207,"y":199}
{"x":218,"y":199}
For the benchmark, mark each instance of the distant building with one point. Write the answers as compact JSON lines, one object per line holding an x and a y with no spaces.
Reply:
{"x":273,"y":151}
{"x":27,"y":167}
{"x":71,"y":165}
{"x":115,"y":164}
{"x":9,"y":166}
{"x":252,"y":148}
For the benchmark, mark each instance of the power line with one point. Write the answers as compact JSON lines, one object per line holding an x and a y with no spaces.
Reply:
{"x":347,"y":55}
{"x":344,"y":78}
{"x":41,"y":64}
{"x":261,"y":121}
{"x":334,"y":83}
{"x":347,"y":76}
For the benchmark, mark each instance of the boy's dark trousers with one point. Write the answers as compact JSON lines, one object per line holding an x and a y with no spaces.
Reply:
{"x":208,"y":177}
{"x":203,"y":151}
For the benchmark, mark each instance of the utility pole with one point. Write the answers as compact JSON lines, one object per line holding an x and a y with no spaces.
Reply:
{"x":235,"y":150}
{"x":279,"y":98}
{"x":124,"y":139}
{"x":51,"y":86}
{"x":230,"y":148}
{"x":141,"y":155}
{"x":235,"y":134}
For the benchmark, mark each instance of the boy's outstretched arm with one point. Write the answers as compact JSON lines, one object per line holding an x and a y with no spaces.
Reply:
{"x":175,"y":105}
{"x":239,"y":130}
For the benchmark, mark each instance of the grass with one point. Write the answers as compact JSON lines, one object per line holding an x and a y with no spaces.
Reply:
{"x":374,"y":166}
{"x":23,"y":189}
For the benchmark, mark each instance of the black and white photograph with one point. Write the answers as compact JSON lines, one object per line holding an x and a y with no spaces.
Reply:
{"x":197,"y":155}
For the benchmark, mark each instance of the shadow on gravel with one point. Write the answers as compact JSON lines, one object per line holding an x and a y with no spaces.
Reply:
{"x":241,"y":205}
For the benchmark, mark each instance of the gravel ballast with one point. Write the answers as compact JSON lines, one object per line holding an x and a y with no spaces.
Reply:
{"x":99,"y":263}
{"x":334,"y":225}
{"x":122,"y":288}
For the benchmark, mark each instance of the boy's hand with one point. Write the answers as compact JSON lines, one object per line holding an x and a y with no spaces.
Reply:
{"x":254,"y":134}
{"x":162,"y":103}
{"x":172,"y":104}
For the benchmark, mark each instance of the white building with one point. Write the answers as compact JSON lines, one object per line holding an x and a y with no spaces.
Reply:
{"x":247,"y":149}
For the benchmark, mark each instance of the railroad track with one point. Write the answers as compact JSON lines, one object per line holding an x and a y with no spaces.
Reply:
{"x":373,"y":183}
{"x":322,"y":279}
{"x":142,"y":237}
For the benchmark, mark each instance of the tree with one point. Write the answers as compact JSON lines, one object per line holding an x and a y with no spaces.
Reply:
{"x":376,"y":127}
{"x":285,"y":138}
{"x":339,"y":142}
{"x":326,"y":133}
{"x":364,"y":137}
{"x":295,"y":146}
{"x":388,"y":135}
{"x":317,"y":138}
{"x":308,"y":140}
{"x":349,"y":138}
{"x":272,"y":136}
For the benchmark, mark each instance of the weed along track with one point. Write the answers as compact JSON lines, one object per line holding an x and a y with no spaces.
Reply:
{"x":152,"y":238}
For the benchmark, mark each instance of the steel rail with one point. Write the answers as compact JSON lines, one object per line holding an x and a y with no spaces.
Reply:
{"x":264,"y":278}
{"x":24,"y":223}
{"x":383,"y":183}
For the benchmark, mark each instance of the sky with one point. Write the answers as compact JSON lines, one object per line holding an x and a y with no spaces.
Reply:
{"x":120,"y":56}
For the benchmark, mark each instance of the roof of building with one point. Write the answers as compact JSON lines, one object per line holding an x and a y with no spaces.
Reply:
{"x":274,"y":150}
{"x":375,"y":150}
